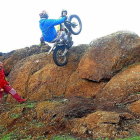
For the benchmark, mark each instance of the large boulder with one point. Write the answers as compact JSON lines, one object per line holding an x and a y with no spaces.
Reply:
{"x":82,"y":87}
{"x":101,"y":124}
{"x":49,"y":82}
{"x":109,"y":54}
{"x":23,"y":70}
{"x":120,"y":87}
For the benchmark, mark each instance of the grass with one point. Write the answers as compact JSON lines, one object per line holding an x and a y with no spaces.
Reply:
{"x":31,"y":105}
{"x":40,"y":124}
{"x":62,"y":137}
{"x":132,"y":138}
{"x":6,"y":78}
{"x":68,"y":137}
{"x":28,"y":105}
{"x":134,"y":93}
{"x":11,"y":136}
{"x":124,"y":68}
{"x":14,"y":116}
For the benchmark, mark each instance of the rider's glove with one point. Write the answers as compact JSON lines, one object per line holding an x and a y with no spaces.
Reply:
{"x":65,"y":17}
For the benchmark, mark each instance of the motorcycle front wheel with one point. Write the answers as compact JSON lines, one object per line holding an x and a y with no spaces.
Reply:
{"x":76,"y":24}
{"x":58,"y":56}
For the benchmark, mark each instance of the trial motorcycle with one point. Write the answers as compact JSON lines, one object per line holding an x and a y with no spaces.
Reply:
{"x":71,"y":26}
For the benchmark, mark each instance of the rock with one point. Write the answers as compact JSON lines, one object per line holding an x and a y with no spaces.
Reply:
{"x":83,"y":88}
{"x":136,"y":128}
{"x":7,"y":118}
{"x":50,"y":81}
{"x":126,"y":116}
{"x":119,"y":87}
{"x":78,"y":107}
{"x":48,"y":111}
{"x":6,"y":56}
{"x":100,"y":124}
{"x":12,"y":60}
{"x":21,"y":73}
{"x":94,"y":120}
{"x":131,"y":99}
{"x":77,"y":126}
{"x":45,"y":48}
{"x":108,"y":55}
{"x":134,"y":108}
{"x":105,"y":131}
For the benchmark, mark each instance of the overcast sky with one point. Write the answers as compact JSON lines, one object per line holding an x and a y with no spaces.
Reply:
{"x":19,"y":24}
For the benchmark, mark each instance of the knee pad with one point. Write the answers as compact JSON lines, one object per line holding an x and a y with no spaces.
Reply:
{"x":12,"y":92}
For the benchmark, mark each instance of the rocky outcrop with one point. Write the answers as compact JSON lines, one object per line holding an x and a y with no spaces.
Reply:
{"x":96,"y":95}
{"x":108,"y":55}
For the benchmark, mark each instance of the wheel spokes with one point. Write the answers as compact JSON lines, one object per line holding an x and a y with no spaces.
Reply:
{"x":75,"y":25}
{"x":60,"y":57}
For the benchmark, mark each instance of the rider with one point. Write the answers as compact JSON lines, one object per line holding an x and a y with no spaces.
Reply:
{"x":47,"y":27}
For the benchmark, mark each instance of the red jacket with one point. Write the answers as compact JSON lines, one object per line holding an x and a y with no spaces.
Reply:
{"x":3,"y":81}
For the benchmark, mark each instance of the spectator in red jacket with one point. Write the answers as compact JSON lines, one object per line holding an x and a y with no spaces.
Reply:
{"x":4,"y":86}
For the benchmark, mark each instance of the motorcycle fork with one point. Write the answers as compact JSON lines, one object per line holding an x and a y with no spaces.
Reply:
{"x":65,"y":51}
{"x":52,"y":48}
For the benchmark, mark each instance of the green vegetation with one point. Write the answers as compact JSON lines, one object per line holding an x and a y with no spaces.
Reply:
{"x":14,"y":116}
{"x":134,"y":93}
{"x":40,"y":124}
{"x":29,"y":137}
{"x":31,"y":105}
{"x":124,"y":68}
{"x":6,"y":95}
{"x":62,"y":137}
{"x":1,"y":128}
{"x":133,"y":138}
{"x":27,"y":104}
{"x":6,"y":78}
{"x":11,"y":136}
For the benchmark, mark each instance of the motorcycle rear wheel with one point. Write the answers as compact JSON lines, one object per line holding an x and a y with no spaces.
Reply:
{"x":76,"y":24}
{"x":59,"y":58}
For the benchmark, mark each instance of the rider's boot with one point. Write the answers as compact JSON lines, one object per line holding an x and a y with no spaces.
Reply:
{"x":69,"y":42}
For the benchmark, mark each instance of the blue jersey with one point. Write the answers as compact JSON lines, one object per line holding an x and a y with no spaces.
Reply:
{"x":47,"y":27}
